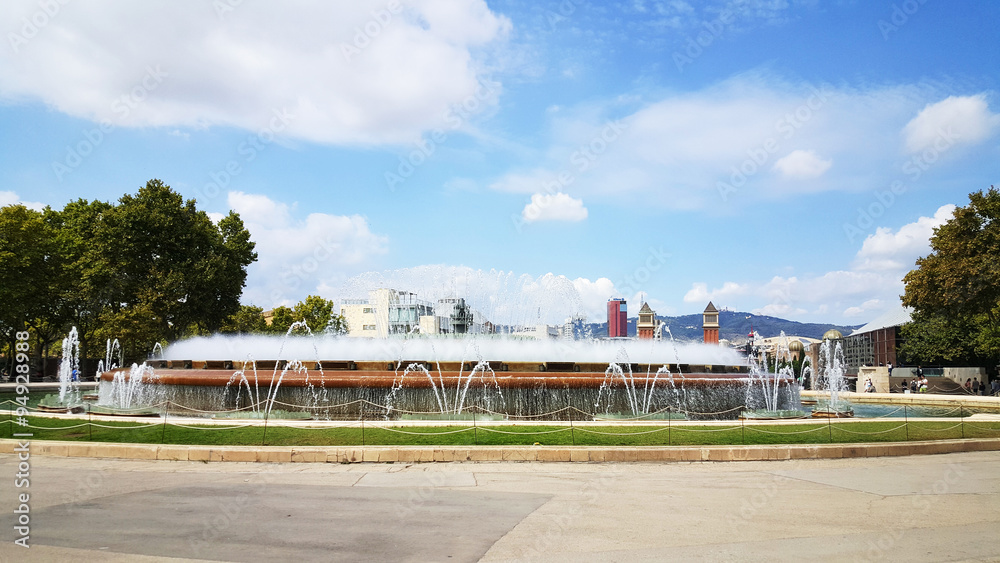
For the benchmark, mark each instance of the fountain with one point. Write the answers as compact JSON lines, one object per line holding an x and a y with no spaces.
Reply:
{"x":69,"y":398}
{"x":776,"y":388}
{"x":830,"y":378}
{"x":414,"y":376}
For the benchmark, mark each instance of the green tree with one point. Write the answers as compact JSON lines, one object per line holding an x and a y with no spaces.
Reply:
{"x":936,"y":339}
{"x":959,"y":281}
{"x":247,"y":320}
{"x":157,"y":253}
{"x":31,"y":278}
{"x":152,"y":268}
{"x":83,"y":298}
{"x":315,"y":311}
{"x":281,"y":319}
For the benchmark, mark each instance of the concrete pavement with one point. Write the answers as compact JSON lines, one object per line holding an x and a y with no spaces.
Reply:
{"x":920,"y":508}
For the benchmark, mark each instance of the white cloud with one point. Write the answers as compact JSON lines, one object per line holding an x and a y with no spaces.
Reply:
{"x":699,"y":292}
{"x":297,"y":257}
{"x":257,"y":208}
{"x":871,"y":304}
{"x":966,"y":119}
{"x":885,"y":250}
{"x":783,"y":310}
{"x":717,"y":146}
{"x":349,"y":72}
{"x":594,"y":296}
{"x":792,"y":296}
{"x":11,"y":198}
{"x":555,"y":207}
{"x":875,"y":279}
{"x":800,"y":164}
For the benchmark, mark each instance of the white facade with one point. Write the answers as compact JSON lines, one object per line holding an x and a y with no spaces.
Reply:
{"x":538,"y":332}
{"x":389,"y":311}
{"x":360,"y":317}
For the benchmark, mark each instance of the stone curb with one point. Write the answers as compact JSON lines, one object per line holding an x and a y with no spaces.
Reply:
{"x":421,"y":454}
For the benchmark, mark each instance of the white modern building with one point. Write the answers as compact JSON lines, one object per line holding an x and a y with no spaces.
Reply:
{"x":390,"y":311}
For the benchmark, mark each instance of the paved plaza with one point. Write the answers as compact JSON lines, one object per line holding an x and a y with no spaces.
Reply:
{"x":919,"y":508}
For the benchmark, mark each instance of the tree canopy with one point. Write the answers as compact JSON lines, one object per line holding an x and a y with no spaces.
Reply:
{"x":150,"y":268}
{"x":955,"y":290}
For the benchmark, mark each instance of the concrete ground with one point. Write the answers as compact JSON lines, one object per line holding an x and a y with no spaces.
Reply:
{"x":920,"y":508}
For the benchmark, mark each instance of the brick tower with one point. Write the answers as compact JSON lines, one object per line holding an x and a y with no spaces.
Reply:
{"x":645,"y":327}
{"x":710,"y":322}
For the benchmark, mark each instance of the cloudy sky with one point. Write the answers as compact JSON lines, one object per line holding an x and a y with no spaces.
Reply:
{"x":788,"y":157}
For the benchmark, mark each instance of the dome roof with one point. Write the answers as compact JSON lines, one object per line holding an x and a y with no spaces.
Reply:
{"x":832,"y":334}
{"x":796,"y":346}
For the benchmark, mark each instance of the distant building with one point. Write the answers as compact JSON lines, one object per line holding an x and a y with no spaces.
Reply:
{"x":710,"y":324}
{"x":877,"y":343}
{"x":575,"y":328}
{"x":645,"y":327}
{"x":454,"y":316}
{"x":385,"y":312}
{"x":617,"y":318}
{"x":389,"y":311}
{"x":537,"y":332}
{"x":360,"y":317}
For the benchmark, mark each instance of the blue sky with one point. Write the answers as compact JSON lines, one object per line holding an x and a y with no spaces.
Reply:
{"x":785,"y":157}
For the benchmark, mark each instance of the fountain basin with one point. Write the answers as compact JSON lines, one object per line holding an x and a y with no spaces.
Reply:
{"x":538,"y":391}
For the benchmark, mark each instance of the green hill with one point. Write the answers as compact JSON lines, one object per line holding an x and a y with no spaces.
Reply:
{"x":733,"y":325}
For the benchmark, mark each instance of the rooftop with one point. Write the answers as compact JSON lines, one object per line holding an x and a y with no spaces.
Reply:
{"x":896,"y":316}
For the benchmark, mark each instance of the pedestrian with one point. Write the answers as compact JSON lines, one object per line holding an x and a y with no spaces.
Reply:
{"x":975,"y":386}
{"x":890,"y":369}
{"x":968,"y":385}
{"x":913,"y":385}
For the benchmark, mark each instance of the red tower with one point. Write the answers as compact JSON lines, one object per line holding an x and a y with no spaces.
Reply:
{"x":710,"y":322}
{"x":617,"y":318}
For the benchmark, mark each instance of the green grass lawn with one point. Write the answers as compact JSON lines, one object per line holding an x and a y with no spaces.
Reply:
{"x":351,"y":434}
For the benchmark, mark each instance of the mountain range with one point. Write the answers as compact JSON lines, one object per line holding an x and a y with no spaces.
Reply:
{"x":733,"y":326}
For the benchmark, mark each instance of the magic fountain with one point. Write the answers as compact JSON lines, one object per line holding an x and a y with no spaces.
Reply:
{"x":448,"y":378}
